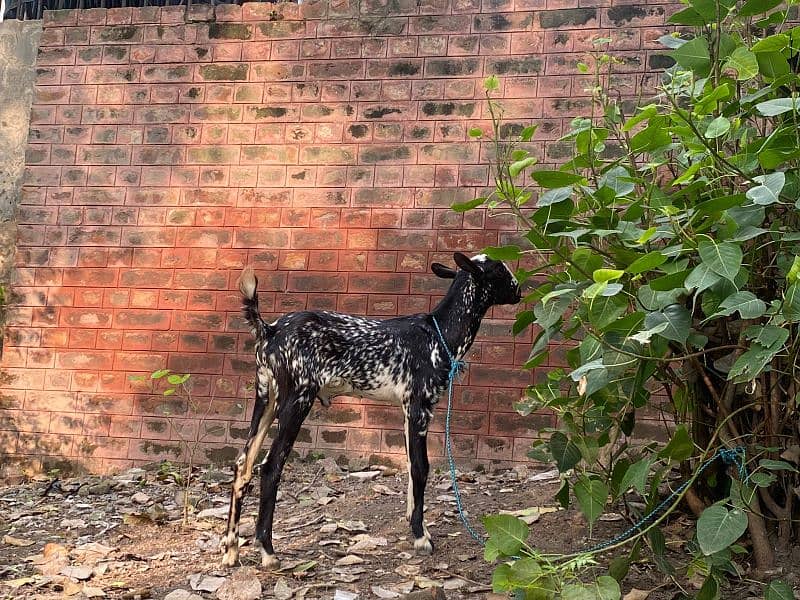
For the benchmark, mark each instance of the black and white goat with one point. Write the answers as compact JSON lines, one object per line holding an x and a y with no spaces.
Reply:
{"x":307,"y":355}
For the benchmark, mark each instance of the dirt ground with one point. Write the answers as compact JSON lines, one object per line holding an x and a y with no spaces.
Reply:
{"x":339,"y":535}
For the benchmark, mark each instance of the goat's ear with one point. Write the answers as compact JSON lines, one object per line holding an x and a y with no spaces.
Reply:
{"x":444,"y":272}
{"x":466,"y":263}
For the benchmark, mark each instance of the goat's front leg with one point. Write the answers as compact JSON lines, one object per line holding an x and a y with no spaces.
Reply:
{"x":290,"y":418}
{"x":418,"y":416}
{"x":263,"y":415}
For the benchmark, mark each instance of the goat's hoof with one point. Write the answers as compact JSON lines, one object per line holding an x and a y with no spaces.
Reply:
{"x":230,"y":557}
{"x":270,"y":561}
{"x":423,"y":546}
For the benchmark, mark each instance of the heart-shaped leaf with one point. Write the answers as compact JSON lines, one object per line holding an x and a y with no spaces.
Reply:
{"x":507,"y":533}
{"x":724,"y":258}
{"x":718,"y":528}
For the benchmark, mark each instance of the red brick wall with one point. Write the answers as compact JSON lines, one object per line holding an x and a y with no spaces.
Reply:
{"x":322,"y":143}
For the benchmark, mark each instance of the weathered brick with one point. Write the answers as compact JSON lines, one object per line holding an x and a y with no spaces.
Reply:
{"x":452,"y":67}
{"x":575,"y":17}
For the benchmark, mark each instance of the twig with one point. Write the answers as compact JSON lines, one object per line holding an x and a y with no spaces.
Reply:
{"x":316,"y":519}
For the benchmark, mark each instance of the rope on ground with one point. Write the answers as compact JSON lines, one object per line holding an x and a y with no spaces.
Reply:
{"x":731,"y":456}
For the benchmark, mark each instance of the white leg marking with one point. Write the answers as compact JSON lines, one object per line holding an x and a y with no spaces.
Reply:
{"x":410,"y":488}
{"x":269,"y":561}
{"x":244,"y":474}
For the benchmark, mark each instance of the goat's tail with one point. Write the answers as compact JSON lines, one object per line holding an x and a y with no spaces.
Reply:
{"x":248,"y":286}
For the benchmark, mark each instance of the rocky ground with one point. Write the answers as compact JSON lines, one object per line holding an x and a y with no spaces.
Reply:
{"x":341,"y":534}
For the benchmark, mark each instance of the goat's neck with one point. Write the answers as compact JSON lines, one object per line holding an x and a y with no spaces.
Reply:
{"x":459,"y":315}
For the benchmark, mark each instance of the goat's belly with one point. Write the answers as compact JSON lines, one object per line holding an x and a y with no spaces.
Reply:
{"x":342,"y":387}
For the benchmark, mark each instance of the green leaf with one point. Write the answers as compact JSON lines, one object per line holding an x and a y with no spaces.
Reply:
{"x":592,"y":495}
{"x":718,"y":127}
{"x":169,"y":391}
{"x":743,"y":62}
{"x":772,"y":64}
{"x":607,"y":588}
{"x":701,"y":278}
{"x":772,"y":43}
{"x":491,"y":83}
{"x":778,"y":590}
{"x":680,"y":447}
{"x":503,"y":252}
{"x":770,"y":189}
{"x":776,"y":465}
{"x":465,"y":206}
{"x":554,"y":196}
{"x":619,"y":567}
{"x":159,"y":374}
{"x":719,"y":204}
{"x":668,"y":282}
{"x":678,"y":322}
{"x":650,"y":139}
{"x":791,"y":303}
{"x":693,"y":56}
{"x":724,"y":259}
{"x":555,"y":179}
{"x":527,"y":133}
{"x":636,"y":476}
{"x":758,"y":7}
{"x":178,"y":379}
{"x":525,"y":572}
{"x":649,"y":111}
{"x":718,"y":528}
{"x":746,"y":303}
{"x":500,"y":577}
{"x":794,"y":271}
{"x":603,"y":275}
{"x":646,"y":263}
{"x":768,"y":341}
{"x":709,"y":590}
{"x":564,"y":451}
{"x":778,"y":106}
{"x":618,"y":179}
{"x":574,"y":591}
{"x":508,"y":533}
{"x":687,"y":16}
{"x":517,"y":167}
{"x":475,"y":132}
{"x":303,"y":567}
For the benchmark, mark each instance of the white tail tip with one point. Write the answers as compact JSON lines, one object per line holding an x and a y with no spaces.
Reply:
{"x":248,"y":282}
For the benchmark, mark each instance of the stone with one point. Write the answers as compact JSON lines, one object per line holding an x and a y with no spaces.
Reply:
{"x":140,"y":498}
{"x":243,"y":584}
{"x":79,"y":573}
{"x":182,"y":595}
{"x":205,"y":583}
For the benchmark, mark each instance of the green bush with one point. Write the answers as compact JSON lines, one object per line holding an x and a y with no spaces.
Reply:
{"x":668,"y":253}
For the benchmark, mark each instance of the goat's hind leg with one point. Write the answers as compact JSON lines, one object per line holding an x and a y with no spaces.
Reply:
{"x":263,"y":415}
{"x":418,"y":417}
{"x":291,"y":415}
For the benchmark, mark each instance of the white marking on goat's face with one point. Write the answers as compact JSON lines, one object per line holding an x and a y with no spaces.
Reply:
{"x":510,"y":272}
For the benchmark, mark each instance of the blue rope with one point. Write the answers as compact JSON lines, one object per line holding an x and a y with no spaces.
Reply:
{"x":456,"y":366}
{"x":731,"y":456}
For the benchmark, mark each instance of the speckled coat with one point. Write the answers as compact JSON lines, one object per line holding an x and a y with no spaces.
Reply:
{"x":311,"y":355}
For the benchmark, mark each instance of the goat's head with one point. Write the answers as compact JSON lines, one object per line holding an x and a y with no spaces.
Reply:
{"x":490,"y":276}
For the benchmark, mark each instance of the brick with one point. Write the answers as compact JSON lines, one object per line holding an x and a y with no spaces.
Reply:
{"x":317,"y":282}
{"x":397,"y":283}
